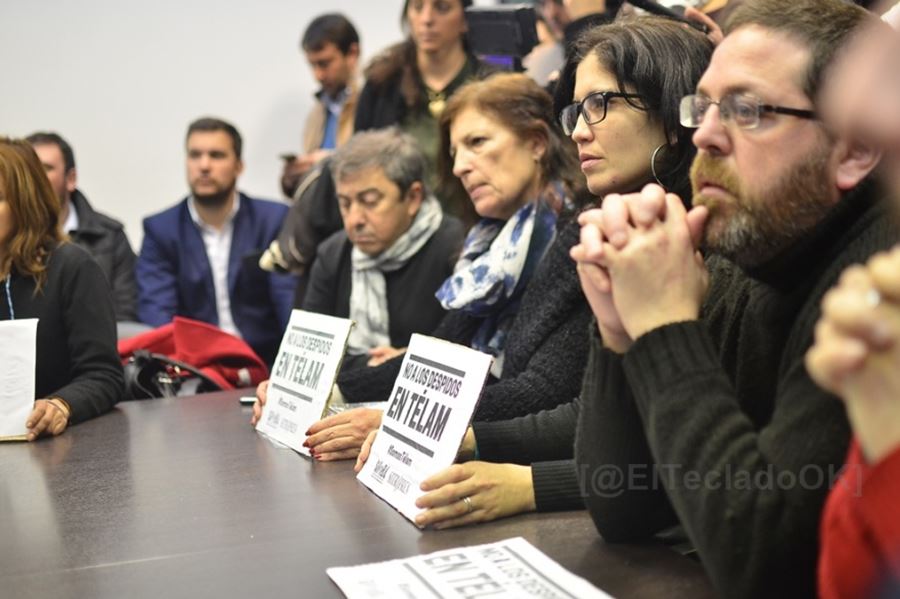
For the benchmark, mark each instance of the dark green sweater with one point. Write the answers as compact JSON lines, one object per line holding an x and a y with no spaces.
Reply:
{"x":744,"y":443}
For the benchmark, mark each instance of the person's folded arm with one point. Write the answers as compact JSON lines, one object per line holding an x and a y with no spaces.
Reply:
{"x":613,"y":462}
{"x":547,"y":435}
{"x":749,"y":498}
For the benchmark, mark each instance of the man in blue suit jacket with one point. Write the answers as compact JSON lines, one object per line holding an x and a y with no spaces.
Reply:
{"x":199,"y":258}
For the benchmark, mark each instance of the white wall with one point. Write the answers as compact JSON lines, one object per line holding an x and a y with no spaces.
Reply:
{"x":121,"y":80}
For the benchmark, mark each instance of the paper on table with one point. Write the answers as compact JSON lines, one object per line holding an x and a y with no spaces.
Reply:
{"x":512,"y":568}
{"x":18,"y":339}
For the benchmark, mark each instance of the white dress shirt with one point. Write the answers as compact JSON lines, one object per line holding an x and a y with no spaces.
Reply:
{"x":71,"y":223}
{"x":218,"y":249}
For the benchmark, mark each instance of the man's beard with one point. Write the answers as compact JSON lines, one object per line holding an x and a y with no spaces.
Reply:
{"x":214,"y":200}
{"x":753,"y":227}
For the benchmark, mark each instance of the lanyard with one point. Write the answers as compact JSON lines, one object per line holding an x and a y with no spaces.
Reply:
{"x":12,"y":313}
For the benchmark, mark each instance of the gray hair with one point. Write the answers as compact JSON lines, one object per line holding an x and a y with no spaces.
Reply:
{"x":396,"y":153}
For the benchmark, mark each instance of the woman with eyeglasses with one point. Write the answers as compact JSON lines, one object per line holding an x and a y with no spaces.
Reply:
{"x":78,"y":374}
{"x":627,"y":81}
{"x":621,"y":90}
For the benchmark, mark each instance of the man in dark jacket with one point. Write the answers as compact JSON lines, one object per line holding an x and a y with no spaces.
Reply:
{"x":395,"y":250}
{"x":697,"y":408}
{"x":103,"y":237}
{"x":199,"y":257}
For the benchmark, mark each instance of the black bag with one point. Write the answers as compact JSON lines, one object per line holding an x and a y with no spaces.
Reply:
{"x":149,"y":375}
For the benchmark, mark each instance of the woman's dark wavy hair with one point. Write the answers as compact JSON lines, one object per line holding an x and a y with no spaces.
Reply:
{"x":659,"y":59}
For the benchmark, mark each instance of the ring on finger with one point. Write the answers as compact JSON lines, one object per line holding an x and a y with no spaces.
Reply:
{"x":873,"y":298}
{"x":469,"y":507}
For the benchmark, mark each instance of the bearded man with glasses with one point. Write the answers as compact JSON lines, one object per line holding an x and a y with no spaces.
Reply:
{"x":696,"y":403}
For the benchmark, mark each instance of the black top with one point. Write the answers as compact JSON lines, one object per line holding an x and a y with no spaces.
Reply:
{"x":412,"y":307}
{"x":545,"y":351}
{"x":104,"y":238}
{"x":76,"y":333}
{"x":382,"y":103}
{"x":747,"y":443}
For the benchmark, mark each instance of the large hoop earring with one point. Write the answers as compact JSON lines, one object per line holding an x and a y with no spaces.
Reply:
{"x":653,"y":163}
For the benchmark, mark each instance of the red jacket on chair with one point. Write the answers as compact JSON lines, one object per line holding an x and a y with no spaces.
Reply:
{"x":224,"y":358}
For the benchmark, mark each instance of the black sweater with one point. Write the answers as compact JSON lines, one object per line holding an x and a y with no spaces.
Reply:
{"x":382,"y":104}
{"x":545,"y":351}
{"x":744,"y":442}
{"x":76,"y":333}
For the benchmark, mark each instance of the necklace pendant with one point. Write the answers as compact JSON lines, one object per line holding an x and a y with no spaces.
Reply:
{"x":436,"y":106}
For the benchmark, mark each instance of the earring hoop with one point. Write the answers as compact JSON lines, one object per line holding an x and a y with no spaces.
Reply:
{"x":653,"y":163}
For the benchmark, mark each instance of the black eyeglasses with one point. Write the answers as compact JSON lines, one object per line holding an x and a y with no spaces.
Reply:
{"x":592,"y":108}
{"x":744,"y":110}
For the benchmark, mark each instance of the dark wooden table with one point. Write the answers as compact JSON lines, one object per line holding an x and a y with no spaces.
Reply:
{"x":182,"y":498}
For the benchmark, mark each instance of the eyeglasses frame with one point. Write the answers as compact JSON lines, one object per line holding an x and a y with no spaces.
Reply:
{"x":761,"y":109}
{"x":606,"y":95}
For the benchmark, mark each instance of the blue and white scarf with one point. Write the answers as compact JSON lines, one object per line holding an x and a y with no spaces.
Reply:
{"x":497,"y":261}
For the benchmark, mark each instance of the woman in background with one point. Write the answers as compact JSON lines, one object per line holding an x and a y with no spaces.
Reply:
{"x":78,"y":374}
{"x":409,"y":84}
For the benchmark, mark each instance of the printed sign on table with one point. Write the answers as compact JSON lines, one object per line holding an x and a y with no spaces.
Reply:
{"x":425,"y":419}
{"x":512,"y":568}
{"x":18,"y":346}
{"x":308,"y":360}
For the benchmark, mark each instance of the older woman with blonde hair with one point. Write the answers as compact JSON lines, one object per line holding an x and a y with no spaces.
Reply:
{"x":78,"y":374}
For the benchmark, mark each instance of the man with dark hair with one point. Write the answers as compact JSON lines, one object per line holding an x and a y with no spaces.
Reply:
{"x":103,"y":237}
{"x":209,"y":124}
{"x":331,"y":46}
{"x":697,"y":408}
{"x":199,"y":258}
{"x":394,"y":252}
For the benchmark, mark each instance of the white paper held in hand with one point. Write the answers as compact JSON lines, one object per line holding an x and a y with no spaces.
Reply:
{"x":302,"y":377}
{"x":18,"y":345}
{"x":425,"y":419}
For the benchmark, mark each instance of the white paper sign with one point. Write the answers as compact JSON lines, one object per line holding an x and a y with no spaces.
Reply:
{"x":512,"y":568}
{"x":425,"y":419}
{"x":18,"y":345}
{"x":308,"y":360}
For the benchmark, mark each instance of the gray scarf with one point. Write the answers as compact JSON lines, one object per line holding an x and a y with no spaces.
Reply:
{"x":368,"y":295}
